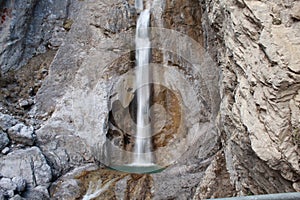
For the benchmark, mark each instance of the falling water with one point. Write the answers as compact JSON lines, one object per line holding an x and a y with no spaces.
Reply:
{"x":139,"y":4}
{"x":143,"y":154}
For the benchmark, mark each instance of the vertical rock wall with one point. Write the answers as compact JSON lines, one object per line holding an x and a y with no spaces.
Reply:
{"x":258,"y":47}
{"x":32,"y":27}
{"x":247,"y":144}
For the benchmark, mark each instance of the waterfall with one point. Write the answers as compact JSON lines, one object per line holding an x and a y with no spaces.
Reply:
{"x":139,"y":4}
{"x":143,"y":155}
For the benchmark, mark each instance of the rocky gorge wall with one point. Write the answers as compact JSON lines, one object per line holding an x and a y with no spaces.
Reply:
{"x":239,"y":105}
{"x":32,"y":27}
{"x":260,"y":91}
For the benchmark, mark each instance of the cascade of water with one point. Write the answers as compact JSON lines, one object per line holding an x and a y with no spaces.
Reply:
{"x":139,"y":4}
{"x":143,"y":155}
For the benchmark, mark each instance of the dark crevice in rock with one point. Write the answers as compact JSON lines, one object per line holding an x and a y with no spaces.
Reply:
{"x":33,"y":172}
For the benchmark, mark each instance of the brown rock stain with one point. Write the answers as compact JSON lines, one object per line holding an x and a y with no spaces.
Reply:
{"x":139,"y":187}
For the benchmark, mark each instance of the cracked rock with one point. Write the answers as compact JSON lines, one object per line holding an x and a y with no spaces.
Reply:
{"x":37,"y":193}
{"x":26,"y":103}
{"x":4,"y":141}
{"x":30,"y":164}
{"x":8,"y":184}
{"x":21,"y":133}
{"x":7,"y":121}
{"x":16,"y":197}
{"x":20,"y":183}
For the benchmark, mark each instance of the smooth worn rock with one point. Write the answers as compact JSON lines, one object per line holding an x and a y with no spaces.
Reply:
{"x":4,"y":141}
{"x":67,"y":189}
{"x":68,"y":186}
{"x":69,"y":127}
{"x":20,"y":133}
{"x":30,"y":164}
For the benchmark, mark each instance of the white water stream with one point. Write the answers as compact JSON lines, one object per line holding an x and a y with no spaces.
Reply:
{"x":142,"y":150}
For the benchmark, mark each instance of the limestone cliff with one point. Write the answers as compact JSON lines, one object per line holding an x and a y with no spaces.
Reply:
{"x":226,"y":98}
{"x":259,"y":117}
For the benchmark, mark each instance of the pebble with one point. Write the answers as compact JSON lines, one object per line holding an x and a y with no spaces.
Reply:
{"x":5,"y":150}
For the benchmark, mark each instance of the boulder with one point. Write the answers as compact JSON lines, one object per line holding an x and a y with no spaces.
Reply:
{"x":4,"y":141}
{"x":20,"y":183}
{"x":37,"y":193}
{"x":7,"y":121}
{"x":8,"y":184}
{"x":20,"y":133}
{"x":30,"y":164}
{"x":17,"y":197}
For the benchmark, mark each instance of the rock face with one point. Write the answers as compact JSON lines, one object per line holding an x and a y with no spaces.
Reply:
{"x":80,"y":86}
{"x":226,"y":99}
{"x":260,"y":90}
{"x":29,"y":164}
{"x":31,"y":27}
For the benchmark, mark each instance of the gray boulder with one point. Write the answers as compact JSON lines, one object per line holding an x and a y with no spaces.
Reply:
{"x":4,"y":141}
{"x":37,"y":193}
{"x":29,"y":164}
{"x":5,"y":150}
{"x":8,"y":187}
{"x":21,"y":133}
{"x":8,"y":184}
{"x":7,"y":121}
{"x":16,"y":197}
{"x":20,"y":183}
